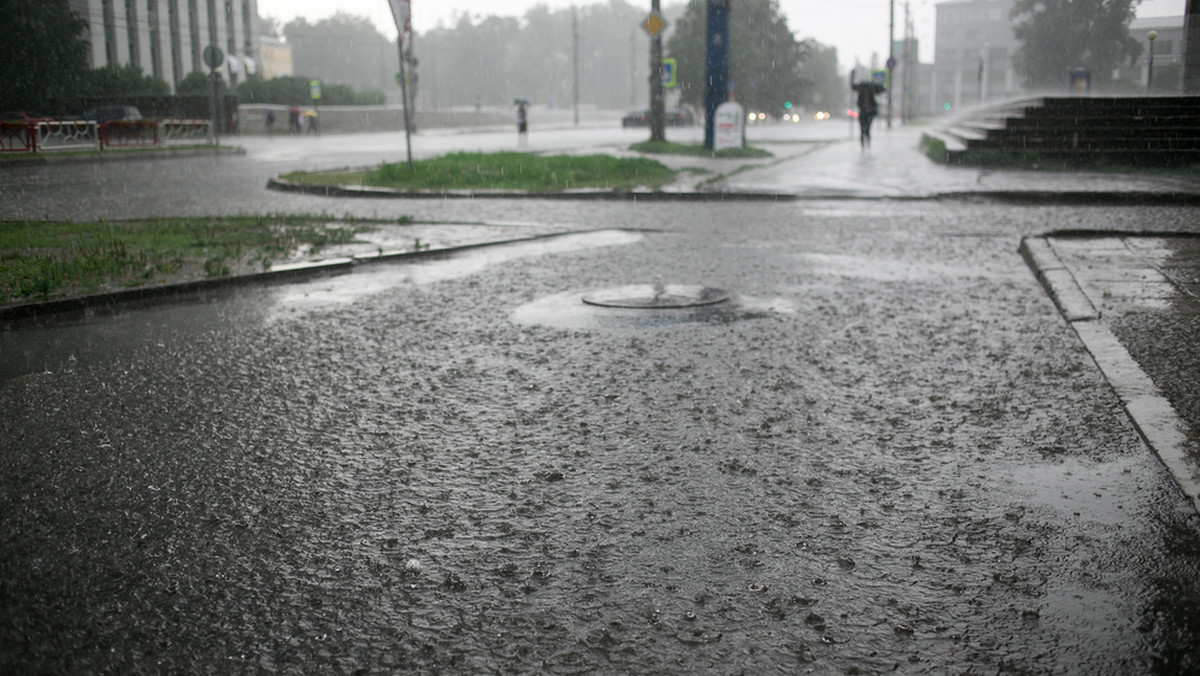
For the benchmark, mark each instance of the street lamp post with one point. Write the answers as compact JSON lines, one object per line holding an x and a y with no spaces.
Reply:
{"x":1152,"y":36}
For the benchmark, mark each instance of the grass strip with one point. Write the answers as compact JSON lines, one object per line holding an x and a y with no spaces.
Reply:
{"x":672,"y":148}
{"x":47,"y":259}
{"x":504,"y":171}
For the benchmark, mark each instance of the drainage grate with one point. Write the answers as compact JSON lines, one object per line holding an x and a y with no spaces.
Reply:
{"x":656,"y":296}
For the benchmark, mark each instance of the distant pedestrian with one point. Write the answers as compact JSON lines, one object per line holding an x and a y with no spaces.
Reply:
{"x":867,"y":110}
{"x":270,"y":123}
{"x":522,"y":123}
{"x":294,"y":120}
{"x":310,"y":116}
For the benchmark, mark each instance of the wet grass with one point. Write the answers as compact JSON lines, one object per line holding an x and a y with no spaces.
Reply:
{"x":671,"y":148}
{"x":46,"y":259}
{"x":504,"y":171}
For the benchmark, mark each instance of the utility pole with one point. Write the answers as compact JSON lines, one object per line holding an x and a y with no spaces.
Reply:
{"x":891,"y":62}
{"x":657,"y":94}
{"x":575,"y":57}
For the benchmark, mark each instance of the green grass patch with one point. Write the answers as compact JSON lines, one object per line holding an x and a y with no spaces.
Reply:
{"x":671,"y":148}
{"x":45,"y":259}
{"x":509,"y":171}
{"x":934,"y":148}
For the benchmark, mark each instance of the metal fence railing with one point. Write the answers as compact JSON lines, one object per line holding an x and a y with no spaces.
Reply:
{"x":66,"y":135}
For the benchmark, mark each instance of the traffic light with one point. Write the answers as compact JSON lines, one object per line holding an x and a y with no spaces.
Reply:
{"x":787,"y":105}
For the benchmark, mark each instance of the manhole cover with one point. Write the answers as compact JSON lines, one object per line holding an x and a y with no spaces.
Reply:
{"x":656,"y":296}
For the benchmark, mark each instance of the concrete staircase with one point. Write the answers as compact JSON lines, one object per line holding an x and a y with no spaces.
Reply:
{"x":1158,"y":131}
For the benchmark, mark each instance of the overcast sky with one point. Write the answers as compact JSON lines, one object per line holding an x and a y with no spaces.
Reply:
{"x":857,"y":28}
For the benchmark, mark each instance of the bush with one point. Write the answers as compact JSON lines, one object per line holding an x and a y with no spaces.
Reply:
{"x":195,"y":82}
{"x":293,"y":90}
{"x":127,"y":80}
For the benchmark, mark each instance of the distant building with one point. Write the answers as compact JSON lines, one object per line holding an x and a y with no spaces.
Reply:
{"x":166,"y":38}
{"x":1168,"y":51}
{"x":275,"y":57}
{"x":974,"y":46}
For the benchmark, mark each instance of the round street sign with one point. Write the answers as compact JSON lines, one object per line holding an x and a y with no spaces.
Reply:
{"x":213,"y":57}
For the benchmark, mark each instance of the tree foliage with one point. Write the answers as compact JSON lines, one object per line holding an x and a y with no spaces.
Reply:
{"x":492,"y":60}
{"x":1058,"y":35}
{"x":343,"y":49}
{"x":45,"y":55}
{"x":195,"y":82}
{"x":767,"y":62}
{"x":295,"y":91}
{"x":127,"y":80}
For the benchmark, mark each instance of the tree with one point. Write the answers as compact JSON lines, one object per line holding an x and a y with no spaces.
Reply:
{"x":44,"y":55}
{"x":127,"y":80}
{"x":195,"y":82}
{"x":294,"y":91}
{"x":343,"y":49}
{"x":765,"y":57}
{"x":1058,"y":35}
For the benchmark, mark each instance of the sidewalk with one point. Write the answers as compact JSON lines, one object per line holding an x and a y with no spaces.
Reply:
{"x":894,"y":167}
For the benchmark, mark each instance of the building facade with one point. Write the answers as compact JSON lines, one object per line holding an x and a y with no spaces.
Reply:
{"x":1168,"y":52}
{"x":973,"y":55}
{"x":166,"y":38}
{"x":275,"y":57}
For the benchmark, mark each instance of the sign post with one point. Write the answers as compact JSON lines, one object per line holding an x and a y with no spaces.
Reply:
{"x":214,"y":58}
{"x":401,"y":12}
{"x":654,"y":25}
{"x":716,"y":65}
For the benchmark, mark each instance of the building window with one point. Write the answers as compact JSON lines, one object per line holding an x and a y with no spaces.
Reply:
{"x":176,"y":47}
{"x":110,"y":33}
{"x":1163,"y":47}
{"x":194,"y":32}
{"x":155,"y":47}
{"x":131,"y":30}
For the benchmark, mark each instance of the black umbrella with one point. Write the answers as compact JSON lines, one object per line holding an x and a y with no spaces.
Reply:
{"x":872,"y":87}
{"x":520,"y":102}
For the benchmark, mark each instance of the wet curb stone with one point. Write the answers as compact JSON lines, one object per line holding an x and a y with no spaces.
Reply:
{"x":1034,"y":197}
{"x":282,"y":273}
{"x":284,"y":185}
{"x":1160,"y":426}
{"x":120,"y":156}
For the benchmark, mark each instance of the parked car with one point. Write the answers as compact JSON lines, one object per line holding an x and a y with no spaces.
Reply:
{"x":112,"y":114}
{"x":673,"y":117}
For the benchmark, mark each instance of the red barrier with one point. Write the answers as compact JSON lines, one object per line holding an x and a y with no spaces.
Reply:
{"x":18,"y":137}
{"x":128,"y":134}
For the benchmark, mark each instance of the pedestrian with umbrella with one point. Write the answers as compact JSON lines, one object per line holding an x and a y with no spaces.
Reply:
{"x":867,"y":108}
{"x":522,"y":122}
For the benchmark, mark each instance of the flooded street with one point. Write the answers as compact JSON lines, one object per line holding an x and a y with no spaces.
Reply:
{"x":885,"y":451}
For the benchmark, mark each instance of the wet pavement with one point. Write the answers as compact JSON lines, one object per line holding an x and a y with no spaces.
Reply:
{"x":886,"y":451}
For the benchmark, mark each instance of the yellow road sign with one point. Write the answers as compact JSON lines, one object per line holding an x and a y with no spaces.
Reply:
{"x":654,"y":24}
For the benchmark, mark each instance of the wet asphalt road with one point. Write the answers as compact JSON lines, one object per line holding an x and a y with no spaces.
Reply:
{"x":886,"y":453}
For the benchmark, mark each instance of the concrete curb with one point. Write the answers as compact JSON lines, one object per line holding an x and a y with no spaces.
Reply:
{"x":1096,"y":198}
{"x":1057,"y":280}
{"x":283,"y":273}
{"x":283,"y":185}
{"x":1160,"y":426}
{"x":119,"y":156}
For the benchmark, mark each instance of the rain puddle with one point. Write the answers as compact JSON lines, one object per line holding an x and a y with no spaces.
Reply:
{"x":572,"y":310}
{"x":60,"y":342}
